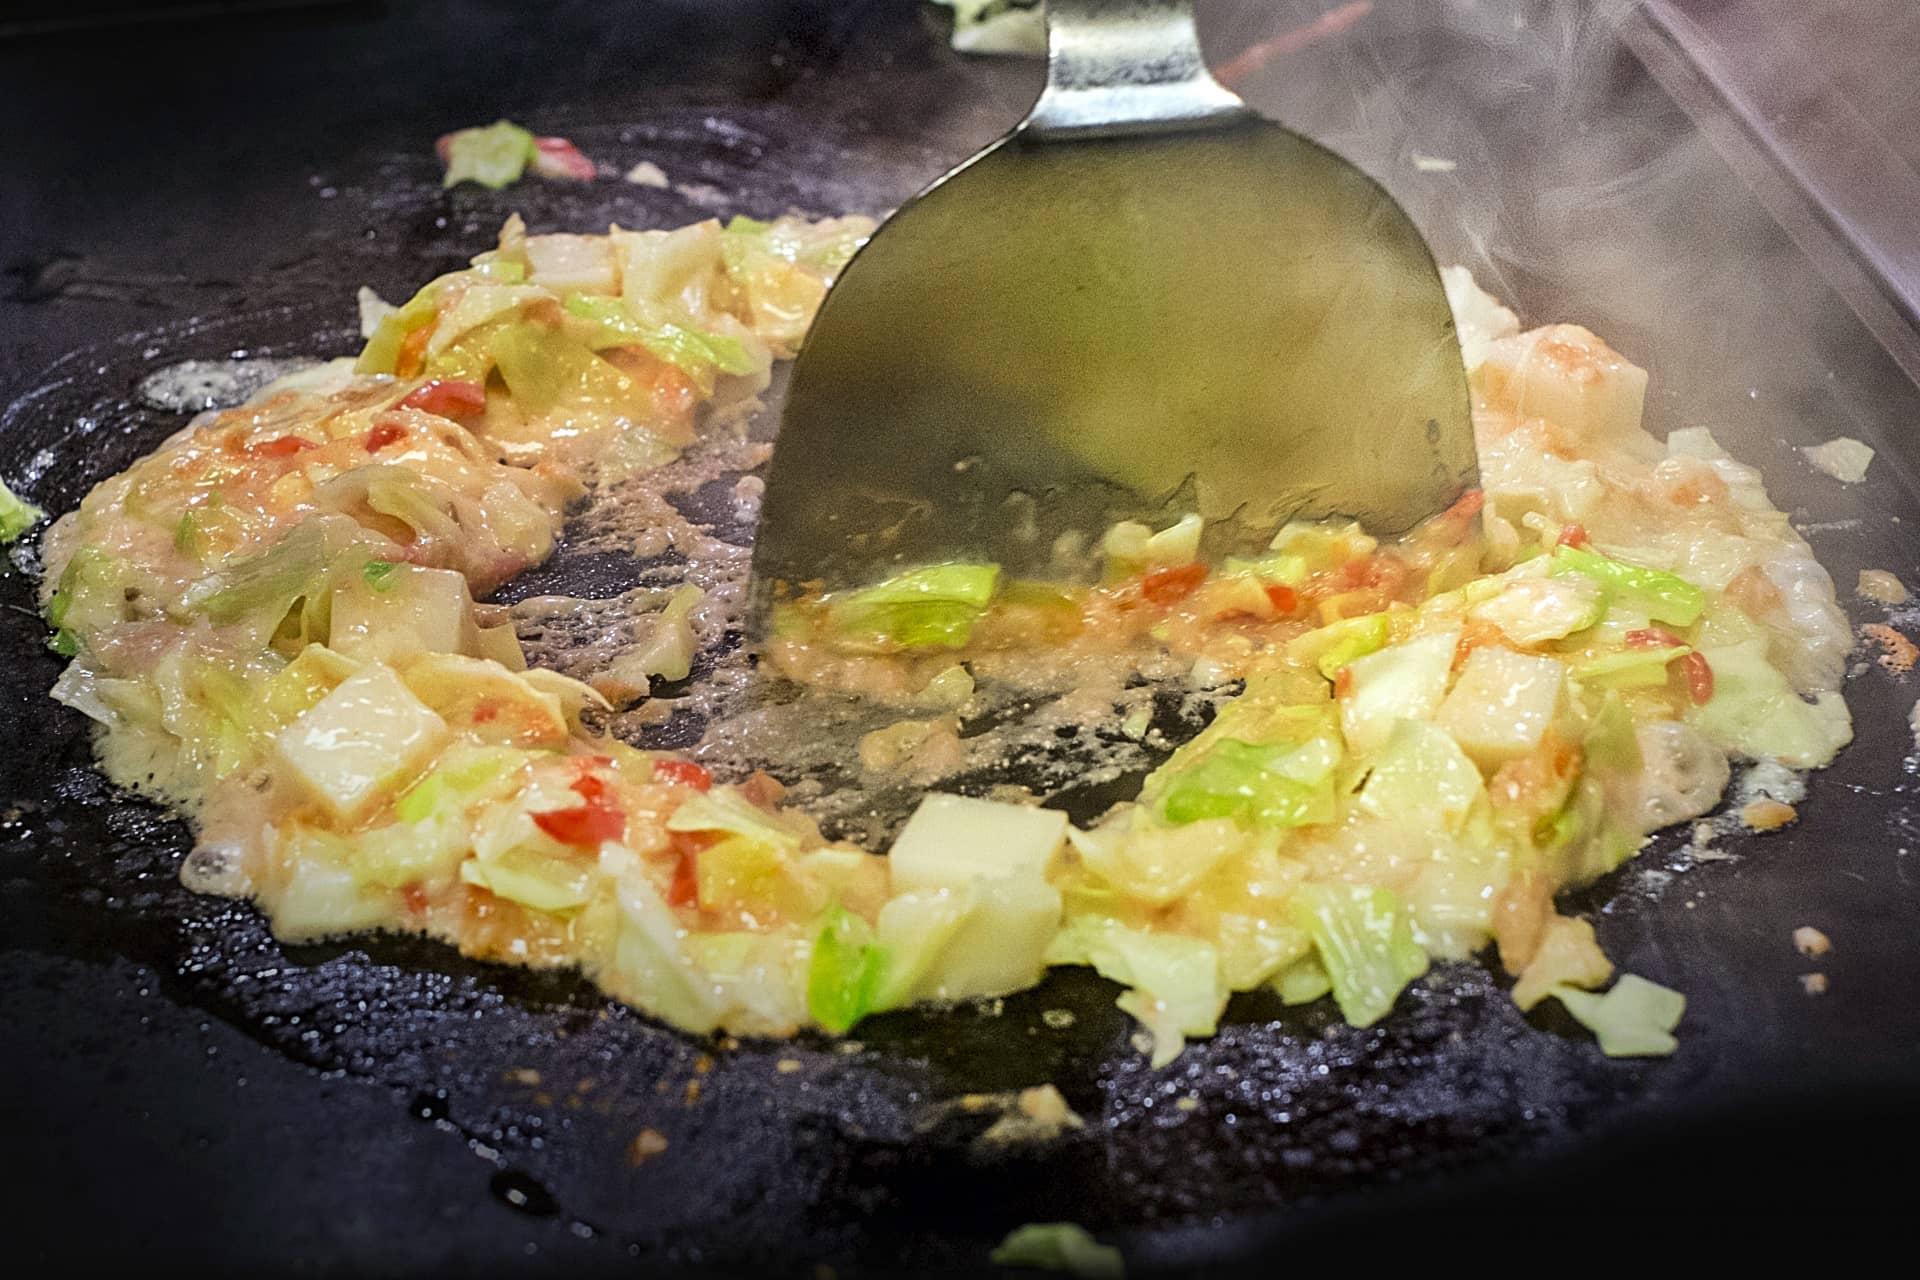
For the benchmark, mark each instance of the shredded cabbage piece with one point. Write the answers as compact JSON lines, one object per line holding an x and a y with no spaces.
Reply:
{"x":495,"y":155}
{"x":1059,"y":1246}
{"x":17,"y":515}
{"x":1634,"y":1019}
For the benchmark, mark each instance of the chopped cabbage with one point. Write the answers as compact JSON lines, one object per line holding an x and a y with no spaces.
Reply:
{"x":1059,"y":1246}
{"x":1662,"y":596}
{"x":493,"y":156}
{"x":1174,"y":982}
{"x":17,"y":515}
{"x":1404,"y":682}
{"x":843,"y":978}
{"x":1338,"y":643}
{"x":930,"y":608}
{"x":1287,"y":785}
{"x":1755,"y":712}
{"x":1364,"y":937}
{"x":1131,"y":547}
{"x":1422,"y":779}
{"x":725,"y":809}
{"x":1635,"y":1019}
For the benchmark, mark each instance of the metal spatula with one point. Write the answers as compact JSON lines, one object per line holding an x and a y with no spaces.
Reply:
{"x":1143,"y":301}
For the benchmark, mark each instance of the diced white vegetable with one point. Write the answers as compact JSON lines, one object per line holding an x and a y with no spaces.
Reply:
{"x":419,"y":611}
{"x":1131,"y":546}
{"x":951,"y":841}
{"x":1502,"y":703}
{"x":1570,"y":377}
{"x":1403,"y":682}
{"x":358,"y":740}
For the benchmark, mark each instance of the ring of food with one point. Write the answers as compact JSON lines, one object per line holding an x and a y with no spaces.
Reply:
{"x":272,"y":618}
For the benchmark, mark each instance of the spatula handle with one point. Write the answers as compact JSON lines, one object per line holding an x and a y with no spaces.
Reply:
{"x":1126,"y":66}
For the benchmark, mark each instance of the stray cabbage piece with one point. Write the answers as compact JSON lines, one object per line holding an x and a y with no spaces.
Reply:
{"x":1059,"y":1246}
{"x":1634,"y":1019}
{"x":1364,"y":938}
{"x":1568,"y":955}
{"x":499,"y":154}
{"x":17,"y":515}
{"x":493,"y":155}
{"x":934,"y":607}
{"x":1843,"y":458}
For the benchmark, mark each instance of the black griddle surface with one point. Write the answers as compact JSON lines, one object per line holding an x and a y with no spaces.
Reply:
{"x":179,"y":1085}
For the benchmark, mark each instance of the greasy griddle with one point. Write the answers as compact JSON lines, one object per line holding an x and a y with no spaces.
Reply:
{"x":174,"y":1075}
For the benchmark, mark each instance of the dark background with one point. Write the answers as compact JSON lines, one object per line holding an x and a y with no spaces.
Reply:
{"x":180,"y":1088}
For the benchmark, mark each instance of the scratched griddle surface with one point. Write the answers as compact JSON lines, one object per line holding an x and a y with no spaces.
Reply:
{"x":174,"y":1079}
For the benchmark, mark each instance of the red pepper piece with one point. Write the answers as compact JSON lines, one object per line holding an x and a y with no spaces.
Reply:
{"x":384,"y":434}
{"x":280,"y":447}
{"x":559,"y":158}
{"x":586,"y":826}
{"x":1699,"y":673}
{"x":1171,"y":586}
{"x":449,"y":398}
{"x":682,"y":773}
{"x":1653,"y":638}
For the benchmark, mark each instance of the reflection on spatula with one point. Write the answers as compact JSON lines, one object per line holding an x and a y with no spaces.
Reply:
{"x":1145,"y":300}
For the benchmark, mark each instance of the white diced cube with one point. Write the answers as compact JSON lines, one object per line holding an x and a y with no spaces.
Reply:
{"x":1570,"y":377}
{"x":420,"y":611}
{"x":1502,"y":703}
{"x":951,"y":841}
{"x":368,"y":734}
